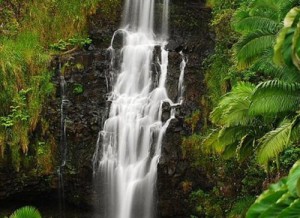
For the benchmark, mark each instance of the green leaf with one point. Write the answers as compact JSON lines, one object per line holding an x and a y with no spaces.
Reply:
{"x":274,"y":97}
{"x":278,"y":57}
{"x":264,"y":202}
{"x":293,"y":211}
{"x":291,"y":17}
{"x":296,"y":46}
{"x":230,"y":135}
{"x":252,"y":46}
{"x":229,"y":151}
{"x":26,"y":212}
{"x":233,"y":108}
{"x":211,"y":143}
{"x":276,"y":209}
{"x":245,"y":147}
{"x":274,"y":142}
{"x":253,"y":23}
{"x":293,"y":179}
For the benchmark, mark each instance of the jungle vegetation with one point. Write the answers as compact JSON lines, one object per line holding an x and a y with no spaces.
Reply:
{"x":32,"y":33}
{"x":254,"y":109}
{"x":252,"y":136}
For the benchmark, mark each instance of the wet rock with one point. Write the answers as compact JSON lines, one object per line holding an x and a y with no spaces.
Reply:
{"x":174,"y":46}
{"x":189,"y":33}
{"x":166,"y":111}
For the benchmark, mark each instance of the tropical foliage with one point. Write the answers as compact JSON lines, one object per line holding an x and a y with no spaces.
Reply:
{"x":257,"y":62}
{"x":281,"y":199}
{"x":262,"y":119}
{"x":26,"y":212}
{"x":31,"y":33}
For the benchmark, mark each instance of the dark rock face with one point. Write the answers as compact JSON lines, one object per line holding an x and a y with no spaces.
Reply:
{"x":85,"y":91}
{"x":189,"y":33}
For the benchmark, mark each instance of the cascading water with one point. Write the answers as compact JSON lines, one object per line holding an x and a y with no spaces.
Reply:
{"x":63,"y":143}
{"x":128,"y":147}
{"x":181,"y":77}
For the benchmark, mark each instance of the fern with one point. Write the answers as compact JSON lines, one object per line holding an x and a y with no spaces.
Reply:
{"x":26,"y":212}
{"x":273,"y":97}
{"x":248,"y":24}
{"x":211,"y":143}
{"x":274,"y":142}
{"x":245,"y":147}
{"x":252,"y":46}
{"x":233,"y":107}
{"x":266,"y":8}
{"x":232,"y":134}
{"x":280,"y":199}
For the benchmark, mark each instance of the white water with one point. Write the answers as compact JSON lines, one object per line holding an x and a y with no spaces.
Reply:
{"x":181,"y":77}
{"x":129,"y":145}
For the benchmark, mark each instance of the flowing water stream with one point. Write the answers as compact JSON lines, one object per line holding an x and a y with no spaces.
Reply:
{"x":129,"y":146}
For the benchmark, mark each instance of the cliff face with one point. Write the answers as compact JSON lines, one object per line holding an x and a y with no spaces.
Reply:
{"x":189,"y":26}
{"x":86,"y":108}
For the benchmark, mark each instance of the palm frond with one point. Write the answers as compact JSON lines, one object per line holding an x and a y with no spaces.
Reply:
{"x":274,"y":142}
{"x":295,"y":133}
{"x":286,"y":6}
{"x":231,"y":135}
{"x":266,"y":8}
{"x":233,"y":108}
{"x":211,"y":143}
{"x":223,"y":141}
{"x":274,"y":97}
{"x":252,"y":46}
{"x":229,"y":151}
{"x":26,"y":212}
{"x":245,"y":147}
{"x":266,"y":66}
{"x":254,"y":23}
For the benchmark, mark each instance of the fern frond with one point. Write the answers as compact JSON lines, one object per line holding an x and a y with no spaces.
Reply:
{"x":274,"y":142}
{"x":274,"y":97}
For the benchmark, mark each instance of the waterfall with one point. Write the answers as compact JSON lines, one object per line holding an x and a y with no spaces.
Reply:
{"x":165,"y":19}
{"x":181,"y":77}
{"x":63,"y":143}
{"x":129,"y":146}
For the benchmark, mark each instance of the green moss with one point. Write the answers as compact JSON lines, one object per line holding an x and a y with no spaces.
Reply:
{"x":219,"y":65}
{"x":193,"y":120}
{"x":206,"y":204}
{"x":78,"y":89}
{"x":27,"y":31}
